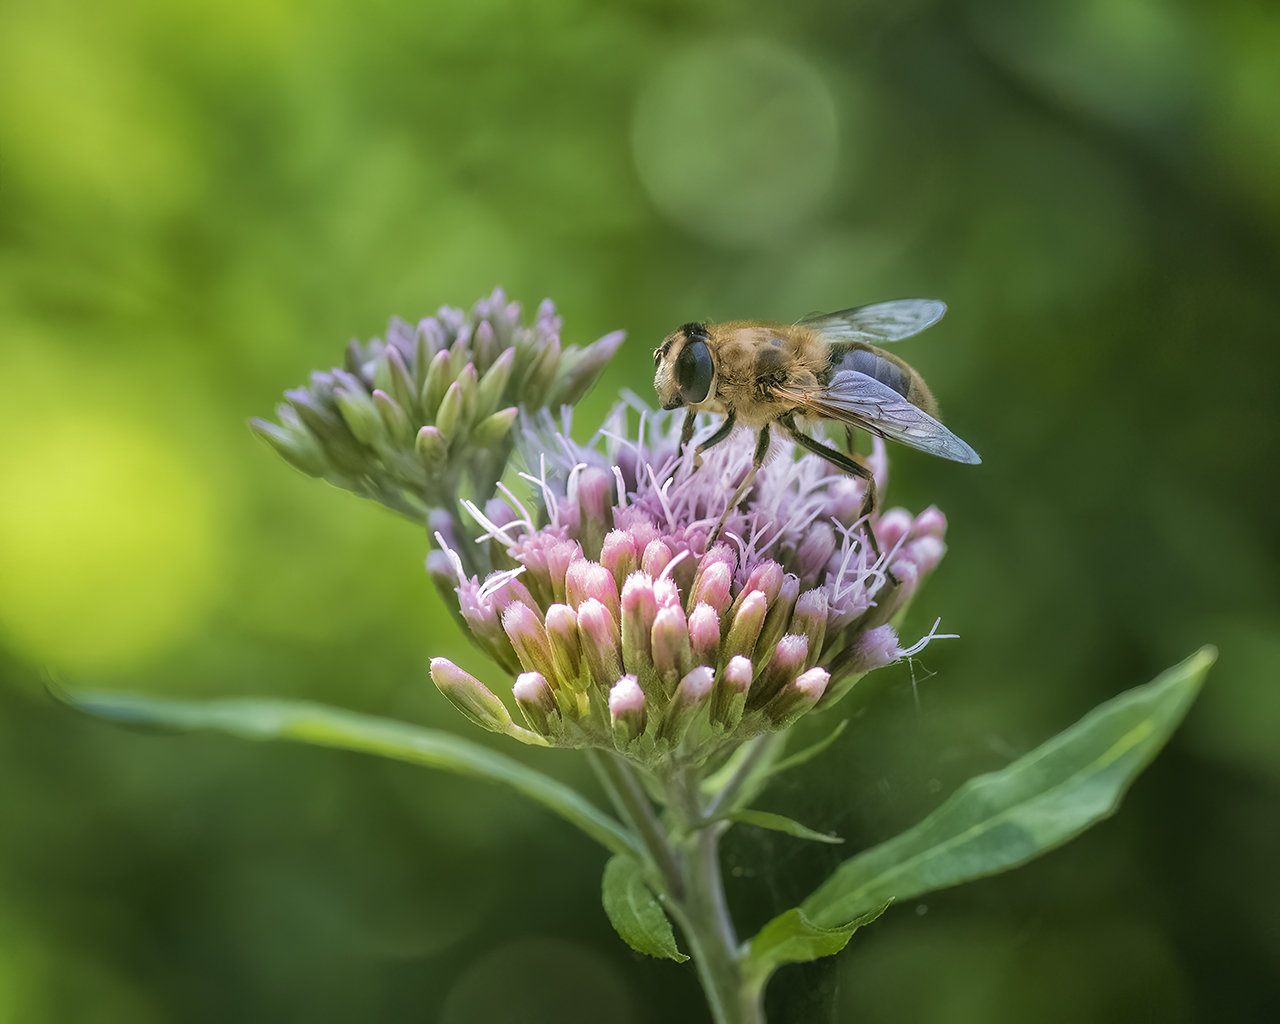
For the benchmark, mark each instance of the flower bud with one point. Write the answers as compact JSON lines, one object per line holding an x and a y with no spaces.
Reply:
{"x":731,"y":692}
{"x":778,"y":617}
{"x":437,"y":383}
{"x":535,"y":699}
{"x":432,"y":448}
{"x":595,"y":509}
{"x":360,"y":414}
{"x":467,"y":384}
{"x":618,"y":554}
{"x":560,"y":557}
{"x":704,"y":635}
{"x":656,"y":557}
{"x":891,"y":527}
{"x":627,"y":711}
{"x":484,"y":344}
{"x":787,"y":663}
{"x":470,"y":696}
{"x":745,"y":628}
{"x":529,"y":639}
{"x":562,"y":634}
{"x":810,"y":620}
{"x":585,"y":580}
{"x":639,"y":607}
{"x":672,"y":656}
{"x":712,"y":583}
{"x":394,"y":417}
{"x":691,"y":695}
{"x":797,"y":697}
{"x":815,"y":550}
{"x":450,"y":412}
{"x":401,"y":384}
{"x":493,"y":384}
{"x":298,"y":447}
{"x":494,"y":427}
{"x":598,"y":637}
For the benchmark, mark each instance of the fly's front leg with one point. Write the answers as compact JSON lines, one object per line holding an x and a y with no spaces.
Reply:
{"x":686,"y":435}
{"x":762,"y":450}
{"x":841,"y":461}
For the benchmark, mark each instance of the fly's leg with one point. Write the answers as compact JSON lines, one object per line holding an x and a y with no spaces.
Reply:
{"x":686,"y":435}
{"x":762,"y":449}
{"x":841,"y":461}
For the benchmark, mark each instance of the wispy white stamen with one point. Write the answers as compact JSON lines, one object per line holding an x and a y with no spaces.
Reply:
{"x":454,"y":560}
{"x":923,"y":642}
{"x":496,"y":582}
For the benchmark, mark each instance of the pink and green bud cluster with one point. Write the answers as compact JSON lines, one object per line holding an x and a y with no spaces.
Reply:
{"x":408,"y":417}
{"x":626,"y":631}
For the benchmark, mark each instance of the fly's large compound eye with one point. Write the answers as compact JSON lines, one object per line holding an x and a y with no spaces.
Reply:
{"x":694,"y":371}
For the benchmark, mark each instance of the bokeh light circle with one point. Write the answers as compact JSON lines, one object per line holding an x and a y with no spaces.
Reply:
{"x":736,"y":140}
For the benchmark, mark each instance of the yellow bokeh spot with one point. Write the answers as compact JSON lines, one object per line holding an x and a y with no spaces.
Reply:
{"x":107,"y":540}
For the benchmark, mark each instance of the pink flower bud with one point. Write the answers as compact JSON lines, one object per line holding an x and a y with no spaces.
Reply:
{"x":536,"y":701}
{"x":672,"y":655}
{"x":562,"y":634}
{"x":586,"y":581}
{"x":815,"y":550}
{"x":690,"y":696}
{"x":529,"y":638}
{"x":787,"y":662}
{"x":745,"y":628}
{"x":798,"y":697}
{"x":598,"y":636}
{"x":656,"y":557}
{"x":730,"y":697}
{"x":639,"y":606}
{"x":892,"y":526}
{"x":714,"y":579}
{"x":810,"y":618}
{"x":704,"y":634}
{"x":627,"y":710}
{"x":618,"y":554}
{"x":595,"y":508}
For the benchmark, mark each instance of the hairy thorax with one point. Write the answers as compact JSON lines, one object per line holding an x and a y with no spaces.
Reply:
{"x":754,"y":359}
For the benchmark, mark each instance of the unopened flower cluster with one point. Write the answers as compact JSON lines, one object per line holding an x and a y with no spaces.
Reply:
{"x":626,"y":631}
{"x":407,"y":418}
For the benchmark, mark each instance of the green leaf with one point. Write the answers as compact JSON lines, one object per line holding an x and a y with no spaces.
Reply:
{"x":635,"y":912}
{"x":260,"y":719}
{"x":997,"y":821}
{"x":779,"y":823}
{"x":792,"y":938}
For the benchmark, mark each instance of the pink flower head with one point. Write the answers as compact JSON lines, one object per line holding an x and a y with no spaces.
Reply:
{"x":632,"y":634}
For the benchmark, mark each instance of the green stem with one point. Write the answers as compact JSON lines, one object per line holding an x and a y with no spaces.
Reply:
{"x":689,"y":864}
{"x":703,"y":916}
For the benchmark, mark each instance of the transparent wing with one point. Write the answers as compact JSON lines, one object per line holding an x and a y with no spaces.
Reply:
{"x":863,"y":401}
{"x":878,"y":323}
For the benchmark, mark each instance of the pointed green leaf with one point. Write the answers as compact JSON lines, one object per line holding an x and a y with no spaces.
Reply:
{"x":635,"y":912}
{"x":259,"y":719}
{"x":811,"y":751}
{"x":792,"y":938}
{"x":779,"y":823}
{"x":997,"y":821}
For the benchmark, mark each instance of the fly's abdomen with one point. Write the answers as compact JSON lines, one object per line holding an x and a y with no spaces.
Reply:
{"x":888,"y":370}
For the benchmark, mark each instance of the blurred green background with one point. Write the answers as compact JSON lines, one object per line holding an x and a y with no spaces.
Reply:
{"x":201,"y":201}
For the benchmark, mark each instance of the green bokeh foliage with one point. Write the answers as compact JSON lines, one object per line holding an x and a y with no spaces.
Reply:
{"x":199,"y":203}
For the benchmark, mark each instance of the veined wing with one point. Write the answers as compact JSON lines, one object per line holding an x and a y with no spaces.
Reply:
{"x":878,"y":323}
{"x":863,"y":401}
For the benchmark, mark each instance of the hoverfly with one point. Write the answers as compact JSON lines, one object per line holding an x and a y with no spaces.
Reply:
{"x":826,"y":367}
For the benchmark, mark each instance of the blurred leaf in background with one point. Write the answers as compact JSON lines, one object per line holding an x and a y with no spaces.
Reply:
{"x":199,"y":203}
